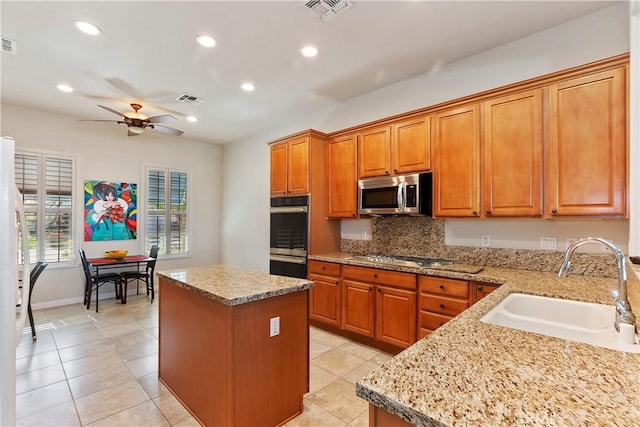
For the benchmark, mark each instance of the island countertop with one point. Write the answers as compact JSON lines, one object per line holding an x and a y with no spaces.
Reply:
{"x":231,"y":285}
{"x":471,"y":373}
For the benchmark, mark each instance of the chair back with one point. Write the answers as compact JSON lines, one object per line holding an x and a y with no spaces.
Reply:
{"x":85,"y":265}
{"x":153,"y":253}
{"x":35,"y":273}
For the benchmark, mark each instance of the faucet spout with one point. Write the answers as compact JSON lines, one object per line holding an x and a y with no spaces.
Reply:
{"x":623,"y":308}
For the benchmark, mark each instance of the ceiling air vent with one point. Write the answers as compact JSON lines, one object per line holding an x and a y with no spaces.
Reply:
{"x":9,"y":46}
{"x":328,"y":9}
{"x":189,"y":99}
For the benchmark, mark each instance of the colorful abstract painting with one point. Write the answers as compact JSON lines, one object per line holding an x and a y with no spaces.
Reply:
{"x":110,"y":211}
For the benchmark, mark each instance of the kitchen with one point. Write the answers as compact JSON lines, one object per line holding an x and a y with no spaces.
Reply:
{"x":223,"y":172}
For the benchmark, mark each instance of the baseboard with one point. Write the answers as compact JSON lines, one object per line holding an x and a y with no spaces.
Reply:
{"x":78,"y":300}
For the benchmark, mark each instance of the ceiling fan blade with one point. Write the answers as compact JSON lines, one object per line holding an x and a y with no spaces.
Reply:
{"x":129,"y":133}
{"x":110,"y":121}
{"x":164,"y":129}
{"x":117,"y":113}
{"x":165,"y":118}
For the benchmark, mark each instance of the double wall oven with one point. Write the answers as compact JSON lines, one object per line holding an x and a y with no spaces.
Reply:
{"x":289,"y":236}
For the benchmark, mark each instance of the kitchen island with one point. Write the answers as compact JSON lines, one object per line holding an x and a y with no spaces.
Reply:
{"x":234,"y":344}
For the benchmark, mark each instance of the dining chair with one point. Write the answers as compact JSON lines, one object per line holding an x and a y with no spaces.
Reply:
{"x":146,"y":276}
{"x":33,"y":277}
{"x":95,"y":281}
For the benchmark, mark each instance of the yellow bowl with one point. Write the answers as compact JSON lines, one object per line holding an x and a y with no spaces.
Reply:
{"x":119,"y":254}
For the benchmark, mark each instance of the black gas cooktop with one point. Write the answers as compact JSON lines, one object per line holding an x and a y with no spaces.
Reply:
{"x":403,"y":261}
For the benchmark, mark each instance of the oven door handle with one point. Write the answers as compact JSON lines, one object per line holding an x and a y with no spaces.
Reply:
{"x":289,"y":209}
{"x":289,"y":259}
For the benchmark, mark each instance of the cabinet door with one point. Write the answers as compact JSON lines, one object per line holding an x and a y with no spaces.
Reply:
{"x":411,"y":145}
{"x":325,"y":299}
{"x":586,"y":159}
{"x":278,"y":169}
{"x":456,"y":162}
{"x":512,"y":163}
{"x":374,"y":152}
{"x":342,"y":179}
{"x":396,"y":316}
{"x":482,"y":290}
{"x":358,"y":308}
{"x":298,"y":166}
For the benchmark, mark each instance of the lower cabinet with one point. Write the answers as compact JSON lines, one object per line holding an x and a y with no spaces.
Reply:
{"x":324,"y":302}
{"x":380,"y":304}
{"x":440,"y":301}
{"x":481,"y":290}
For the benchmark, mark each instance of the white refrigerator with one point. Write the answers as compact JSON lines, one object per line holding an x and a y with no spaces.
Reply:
{"x":12,"y":319}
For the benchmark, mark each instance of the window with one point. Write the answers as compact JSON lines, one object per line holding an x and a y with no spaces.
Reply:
{"x":167,"y":211}
{"x":46,"y":183}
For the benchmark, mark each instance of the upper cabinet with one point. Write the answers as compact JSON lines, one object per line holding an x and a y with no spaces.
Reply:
{"x":411,"y":145}
{"x":342,"y":180}
{"x":512,"y":155}
{"x":290,"y":167}
{"x":586,"y":157}
{"x":401,"y":147}
{"x":456,"y":162}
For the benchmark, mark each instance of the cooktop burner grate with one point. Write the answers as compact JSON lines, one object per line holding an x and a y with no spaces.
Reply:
{"x":407,"y":261}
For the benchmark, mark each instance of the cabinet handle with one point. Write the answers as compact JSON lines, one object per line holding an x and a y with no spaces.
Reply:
{"x":553,"y":211}
{"x":323,"y":267}
{"x":488,"y":212}
{"x":353,"y":215}
{"x":475,"y":213}
{"x":386,"y":172}
{"x":395,"y":170}
{"x":379,"y":290}
{"x":441,"y":286}
{"x":479,"y":288}
{"x":441,"y":305}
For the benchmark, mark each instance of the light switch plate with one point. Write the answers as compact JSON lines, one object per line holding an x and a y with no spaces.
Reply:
{"x":486,"y":240}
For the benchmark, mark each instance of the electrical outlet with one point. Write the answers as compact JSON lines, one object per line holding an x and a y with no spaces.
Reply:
{"x":274,"y":326}
{"x":486,"y":240}
{"x":364,"y":235}
{"x":548,"y":243}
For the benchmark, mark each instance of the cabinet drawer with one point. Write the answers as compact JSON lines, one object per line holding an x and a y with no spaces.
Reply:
{"x":432,"y":321}
{"x":448,"y":287}
{"x":383,"y":277}
{"x":443,"y":305}
{"x":325,"y":268}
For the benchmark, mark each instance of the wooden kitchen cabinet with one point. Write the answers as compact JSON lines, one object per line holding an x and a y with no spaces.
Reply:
{"x":290,"y":167}
{"x":586,"y":157}
{"x":455,"y":141}
{"x":440,"y":301}
{"x":411,"y":145}
{"x":380,"y":304}
{"x":342,"y":179}
{"x":512,"y":155}
{"x":481,"y":290}
{"x":402,"y":147}
{"x":374,"y":152}
{"x":325,"y":300}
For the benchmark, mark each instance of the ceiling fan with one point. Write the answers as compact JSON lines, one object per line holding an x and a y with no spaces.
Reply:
{"x":138,"y":122}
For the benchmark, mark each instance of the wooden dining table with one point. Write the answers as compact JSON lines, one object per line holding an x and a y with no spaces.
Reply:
{"x":129,"y":260}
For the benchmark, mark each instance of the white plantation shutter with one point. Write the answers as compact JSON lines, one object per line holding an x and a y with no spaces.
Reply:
{"x":46,"y":183}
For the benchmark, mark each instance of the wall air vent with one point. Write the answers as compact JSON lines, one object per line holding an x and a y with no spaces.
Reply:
{"x":9,"y":46}
{"x":190,"y":99}
{"x":328,"y":9}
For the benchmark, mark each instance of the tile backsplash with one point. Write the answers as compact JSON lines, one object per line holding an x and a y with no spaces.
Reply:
{"x":425,"y":237}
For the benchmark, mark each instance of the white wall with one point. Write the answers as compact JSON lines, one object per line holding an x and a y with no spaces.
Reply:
{"x":593,"y":37}
{"x":104,"y":152}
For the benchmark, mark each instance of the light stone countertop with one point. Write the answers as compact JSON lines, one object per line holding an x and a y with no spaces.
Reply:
{"x":233,"y":286}
{"x":476,"y":374}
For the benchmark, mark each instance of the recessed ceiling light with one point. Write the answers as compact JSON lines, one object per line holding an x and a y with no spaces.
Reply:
{"x":309,"y":51}
{"x":247,"y":87}
{"x":64,"y":88}
{"x":206,"y":41}
{"x":192,"y":118}
{"x":88,"y":28}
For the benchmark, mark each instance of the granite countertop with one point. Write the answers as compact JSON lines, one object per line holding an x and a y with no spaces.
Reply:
{"x":472,"y":373}
{"x":233,"y":286}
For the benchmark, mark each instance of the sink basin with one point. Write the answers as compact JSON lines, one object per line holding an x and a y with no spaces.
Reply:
{"x":577,"y":321}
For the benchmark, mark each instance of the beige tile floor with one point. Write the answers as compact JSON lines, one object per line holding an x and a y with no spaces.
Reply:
{"x":100,"y":369}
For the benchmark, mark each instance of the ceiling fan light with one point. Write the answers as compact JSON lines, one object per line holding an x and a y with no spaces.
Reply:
{"x":136,"y":129}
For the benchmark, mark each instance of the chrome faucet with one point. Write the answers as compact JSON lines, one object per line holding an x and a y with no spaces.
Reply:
{"x":623,"y":308}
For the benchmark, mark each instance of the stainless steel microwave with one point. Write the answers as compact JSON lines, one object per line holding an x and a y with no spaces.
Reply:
{"x":396,"y":195}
